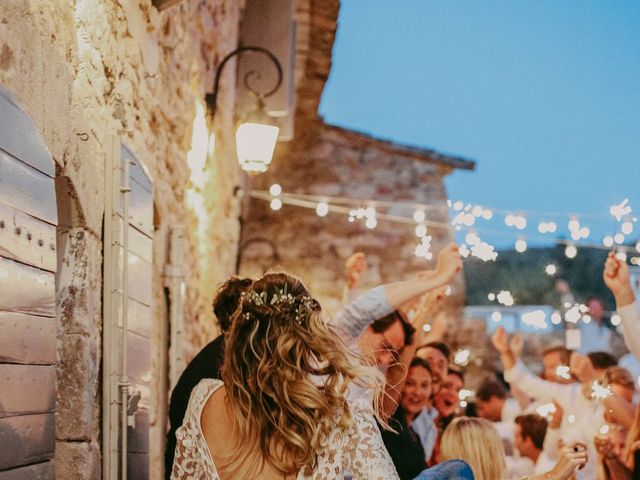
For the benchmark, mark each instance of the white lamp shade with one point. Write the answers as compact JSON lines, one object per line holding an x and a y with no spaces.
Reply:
{"x":255,"y":143}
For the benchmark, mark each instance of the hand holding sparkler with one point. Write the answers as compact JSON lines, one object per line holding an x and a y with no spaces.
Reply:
{"x":616,"y":276}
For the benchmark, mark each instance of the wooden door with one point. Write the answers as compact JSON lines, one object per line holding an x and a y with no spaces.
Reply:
{"x":28,"y":220}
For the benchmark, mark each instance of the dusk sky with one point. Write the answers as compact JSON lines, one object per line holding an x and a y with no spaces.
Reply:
{"x":544,"y":95}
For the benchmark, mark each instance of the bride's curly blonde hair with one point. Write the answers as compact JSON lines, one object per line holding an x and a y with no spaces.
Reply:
{"x":286,"y":374}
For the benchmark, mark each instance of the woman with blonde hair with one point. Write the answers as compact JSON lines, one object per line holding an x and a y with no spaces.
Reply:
{"x":478,"y":443}
{"x":281,"y":409}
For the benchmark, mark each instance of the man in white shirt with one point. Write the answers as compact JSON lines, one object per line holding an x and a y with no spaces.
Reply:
{"x":595,"y":336}
{"x":583,"y":417}
{"x":529,"y":440}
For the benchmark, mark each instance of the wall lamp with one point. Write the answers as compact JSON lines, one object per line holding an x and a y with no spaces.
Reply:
{"x":256,"y":136}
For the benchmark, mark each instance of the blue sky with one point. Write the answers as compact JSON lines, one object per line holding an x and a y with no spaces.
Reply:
{"x":544,"y":95}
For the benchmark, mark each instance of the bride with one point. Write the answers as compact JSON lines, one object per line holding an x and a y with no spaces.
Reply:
{"x":281,"y":409}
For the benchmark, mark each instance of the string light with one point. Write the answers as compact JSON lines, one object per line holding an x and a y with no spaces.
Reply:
{"x":421,"y":230}
{"x":496,"y":316}
{"x":607,"y":241}
{"x":615,"y":320}
{"x":275,"y":189}
{"x":573,"y":314}
{"x":619,"y":238}
{"x":487,"y":214}
{"x":276,"y":204}
{"x":586,"y":318}
{"x":556,"y":318}
{"x":419,"y":216}
{"x":521,"y":245}
{"x":571,"y":251}
{"x":551,"y":269}
{"x":504,"y":297}
{"x":491,"y":296}
{"x":322,"y":209}
{"x":627,"y":227}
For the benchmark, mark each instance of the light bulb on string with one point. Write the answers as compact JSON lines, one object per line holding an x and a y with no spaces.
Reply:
{"x":419,"y":216}
{"x":619,"y":238}
{"x":457,"y":206}
{"x":487,"y":214}
{"x":521,"y":245}
{"x":574,"y":224}
{"x":571,"y":251}
{"x":421,"y":230}
{"x":556,"y":318}
{"x":626,"y":227}
{"x":615,"y":319}
{"x":276,"y":204}
{"x":371,"y":222}
{"x":275,"y":189}
{"x":322,"y":209}
{"x":607,"y":241}
{"x":551,"y":269}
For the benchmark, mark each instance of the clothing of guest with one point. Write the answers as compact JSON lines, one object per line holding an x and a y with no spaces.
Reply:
{"x":404,"y":446}
{"x":582,"y":417}
{"x":425,"y":427}
{"x":630,"y":321}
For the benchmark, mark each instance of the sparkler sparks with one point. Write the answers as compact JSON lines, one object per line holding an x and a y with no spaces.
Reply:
{"x":563,"y":372}
{"x":599,"y":390}
{"x":620,"y":210}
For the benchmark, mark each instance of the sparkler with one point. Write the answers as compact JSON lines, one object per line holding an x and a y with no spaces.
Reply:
{"x":563,"y":372}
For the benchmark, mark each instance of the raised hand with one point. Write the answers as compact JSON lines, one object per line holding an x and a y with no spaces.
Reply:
{"x":616,"y":277}
{"x":516,"y":344}
{"x":356,"y":265}
{"x":556,"y":418}
{"x":582,"y":368}
{"x":500,"y":340}
{"x":570,"y":457}
{"x":449,"y":262}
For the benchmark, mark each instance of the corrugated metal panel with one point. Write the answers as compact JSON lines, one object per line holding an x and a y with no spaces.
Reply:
{"x":27,"y":189}
{"x":20,"y":137}
{"x":27,"y":239}
{"x":27,"y":389}
{"x":27,"y":339}
{"x":25,"y":289}
{"x":26,"y":439}
{"x":40,"y":471}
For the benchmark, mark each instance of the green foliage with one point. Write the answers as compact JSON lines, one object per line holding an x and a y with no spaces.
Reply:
{"x":523,"y":274}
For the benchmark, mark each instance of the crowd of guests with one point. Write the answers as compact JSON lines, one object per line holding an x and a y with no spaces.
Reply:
{"x":371,"y":393}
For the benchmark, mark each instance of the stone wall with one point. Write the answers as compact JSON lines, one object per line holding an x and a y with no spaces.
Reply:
{"x":85,"y":70}
{"x":326,"y":160}
{"x":341,"y":163}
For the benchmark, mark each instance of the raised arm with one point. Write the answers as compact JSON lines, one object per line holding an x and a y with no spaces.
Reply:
{"x":382,"y":300}
{"x":616,"y":277}
{"x":518,"y":375}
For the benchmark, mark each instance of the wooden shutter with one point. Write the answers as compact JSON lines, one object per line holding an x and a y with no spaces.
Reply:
{"x":28,"y":222}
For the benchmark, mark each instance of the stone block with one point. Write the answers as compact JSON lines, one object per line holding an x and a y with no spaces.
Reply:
{"x":78,"y":375}
{"x":77,"y":460}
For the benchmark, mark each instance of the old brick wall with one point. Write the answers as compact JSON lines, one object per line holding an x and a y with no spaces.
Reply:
{"x":88,"y":69}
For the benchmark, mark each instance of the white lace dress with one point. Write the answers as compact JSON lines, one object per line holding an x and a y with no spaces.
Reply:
{"x":360,"y":450}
